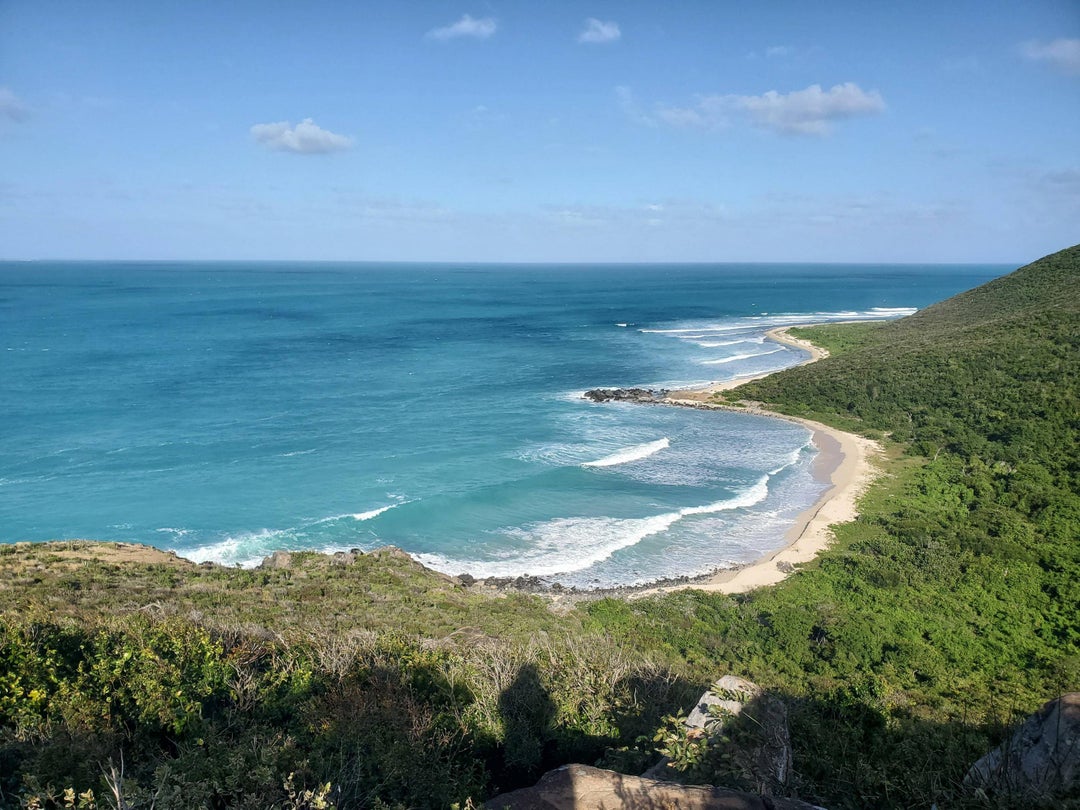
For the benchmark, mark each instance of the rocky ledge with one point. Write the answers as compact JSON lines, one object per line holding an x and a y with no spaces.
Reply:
{"x":647,"y":395}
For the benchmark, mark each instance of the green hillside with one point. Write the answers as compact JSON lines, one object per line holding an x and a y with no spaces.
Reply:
{"x":945,"y":612}
{"x":983,"y":369}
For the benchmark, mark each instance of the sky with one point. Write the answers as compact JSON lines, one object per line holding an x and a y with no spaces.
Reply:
{"x":513,"y":131}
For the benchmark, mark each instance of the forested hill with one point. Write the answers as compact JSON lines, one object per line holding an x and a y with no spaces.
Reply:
{"x":944,"y":613}
{"x":1048,"y":285}
{"x":993,"y":371}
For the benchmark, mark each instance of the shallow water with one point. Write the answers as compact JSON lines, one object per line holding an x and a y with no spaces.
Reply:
{"x":229,"y":410}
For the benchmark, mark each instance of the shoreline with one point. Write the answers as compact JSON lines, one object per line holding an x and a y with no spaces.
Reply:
{"x":845,"y":462}
{"x":778,"y":334}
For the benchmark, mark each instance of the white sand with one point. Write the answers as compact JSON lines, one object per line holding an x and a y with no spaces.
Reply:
{"x":844,"y":459}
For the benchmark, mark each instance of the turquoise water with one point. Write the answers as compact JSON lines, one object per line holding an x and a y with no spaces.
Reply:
{"x":229,"y":410}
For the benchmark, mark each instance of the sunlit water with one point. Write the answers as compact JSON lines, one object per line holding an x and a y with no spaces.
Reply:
{"x":229,"y":410}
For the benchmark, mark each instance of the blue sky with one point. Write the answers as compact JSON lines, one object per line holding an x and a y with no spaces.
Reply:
{"x":527,"y":131}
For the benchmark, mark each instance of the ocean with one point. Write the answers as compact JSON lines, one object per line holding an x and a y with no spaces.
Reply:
{"x":228,"y":410}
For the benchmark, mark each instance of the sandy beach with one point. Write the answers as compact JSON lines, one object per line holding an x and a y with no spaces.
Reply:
{"x":845,"y":461}
{"x":777,"y":335}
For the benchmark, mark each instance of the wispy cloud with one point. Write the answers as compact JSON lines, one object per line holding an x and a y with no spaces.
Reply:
{"x":778,"y":51}
{"x":465,"y":27}
{"x":1062,"y":54}
{"x":630,"y":107}
{"x":11,"y":106}
{"x":812,"y":111}
{"x":598,"y":32}
{"x":306,"y":138}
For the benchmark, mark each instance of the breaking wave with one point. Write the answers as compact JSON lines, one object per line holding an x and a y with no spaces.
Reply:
{"x":629,"y":454}
{"x":567,"y":545}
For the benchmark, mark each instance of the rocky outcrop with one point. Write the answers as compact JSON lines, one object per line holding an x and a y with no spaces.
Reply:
{"x":1040,"y":761}
{"x":748,"y":736}
{"x":645,"y":395}
{"x":279,"y":559}
{"x":579,"y":787}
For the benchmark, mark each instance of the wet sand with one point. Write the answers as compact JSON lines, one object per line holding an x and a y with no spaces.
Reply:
{"x":845,"y":461}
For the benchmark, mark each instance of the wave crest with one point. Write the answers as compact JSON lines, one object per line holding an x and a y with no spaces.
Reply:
{"x":629,"y":454}
{"x":568,"y":545}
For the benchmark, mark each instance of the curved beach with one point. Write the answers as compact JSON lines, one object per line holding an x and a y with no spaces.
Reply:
{"x":845,"y":462}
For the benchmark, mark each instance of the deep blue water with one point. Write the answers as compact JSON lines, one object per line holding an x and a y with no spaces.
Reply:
{"x":229,"y":410}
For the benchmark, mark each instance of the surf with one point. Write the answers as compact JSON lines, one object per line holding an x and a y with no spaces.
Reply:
{"x":630,"y":454}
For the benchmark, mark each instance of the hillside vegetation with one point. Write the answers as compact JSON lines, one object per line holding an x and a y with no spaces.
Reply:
{"x":945,"y":612}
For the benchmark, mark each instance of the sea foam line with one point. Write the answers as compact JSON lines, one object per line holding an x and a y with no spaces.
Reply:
{"x":368,"y":515}
{"x":701,"y":330}
{"x":792,"y":459}
{"x":629,"y":454}
{"x":714,"y":344}
{"x":568,"y":545}
{"x":371,"y":513}
{"x":735,"y":357}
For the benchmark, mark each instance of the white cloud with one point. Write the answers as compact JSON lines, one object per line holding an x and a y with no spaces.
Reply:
{"x":465,"y":27}
{"x":809,"y":111}
{"x":801,"y":112}
{"x":597,"y":31}
{"x":778,"y":51}
{"x":11,"y":106}
{"x":1063,"y":54}
{"x":306,"y":138}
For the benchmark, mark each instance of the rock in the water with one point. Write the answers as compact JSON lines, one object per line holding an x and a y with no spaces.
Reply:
{"x":646,"y":395}
{"x":579,"y":787}
{"x":1040,"y":761}
{"x":747,"y":734}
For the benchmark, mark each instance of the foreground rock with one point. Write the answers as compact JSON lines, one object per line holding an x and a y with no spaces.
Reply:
{"x":749,"y":744}
{"x":1040,"y":761}
{"x":579,"y":787}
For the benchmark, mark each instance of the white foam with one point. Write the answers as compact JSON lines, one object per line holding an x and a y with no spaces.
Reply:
{"x":623,"y":325}
{"x":697,"y":330}
{"x":769,"y":320}
{"x":171,"y":530}
{"x":629,"y":454}
{"x":368,"y":515}
{"x":715,"y":344}
{"x":373,"y":512}
{"x":735,"y":357}
{"x":559,"y":546}
{"x":246,"y":549}
{"x":566,"y":545}
{"x":792,"y":459}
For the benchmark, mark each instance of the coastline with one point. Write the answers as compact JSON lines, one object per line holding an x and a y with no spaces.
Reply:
{"x":845,"y":461}
{"x":778,"y":334}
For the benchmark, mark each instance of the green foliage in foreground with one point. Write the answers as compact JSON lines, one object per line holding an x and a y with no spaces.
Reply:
{"x":231,"y":719}
{"x":945,"y":612}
